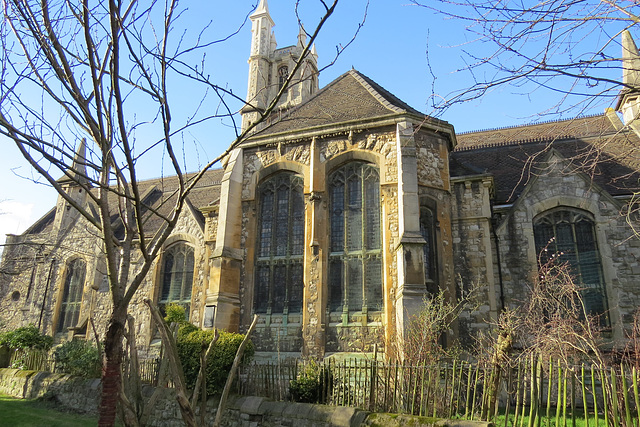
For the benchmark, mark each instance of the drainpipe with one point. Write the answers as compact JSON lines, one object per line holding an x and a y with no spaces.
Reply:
{"x":496,"y":242}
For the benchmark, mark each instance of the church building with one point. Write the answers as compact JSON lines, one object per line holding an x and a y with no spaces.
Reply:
{"x":342,"y":212}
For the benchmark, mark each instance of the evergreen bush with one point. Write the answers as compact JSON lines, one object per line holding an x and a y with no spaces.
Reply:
{"x":78,"y":357}
{"x":26,"y":338}
{"x":310,"y":383}
{"x":191,"y":341}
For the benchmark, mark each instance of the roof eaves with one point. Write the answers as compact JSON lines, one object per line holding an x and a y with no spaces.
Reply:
{"x":359,"y":124}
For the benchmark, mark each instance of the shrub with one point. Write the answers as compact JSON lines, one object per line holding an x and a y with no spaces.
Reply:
{"x":192,"y":340}
{"x":310,"y":383}
{"x":175,"y":313}
{"x":26,"y":337}
{"x":78,"y":357}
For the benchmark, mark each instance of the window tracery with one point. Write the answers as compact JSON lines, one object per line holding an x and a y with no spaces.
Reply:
{"x":283,"y":73}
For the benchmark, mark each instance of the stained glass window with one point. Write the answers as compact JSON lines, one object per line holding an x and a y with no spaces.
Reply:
{"x":177,"y":276}
{"x":355,"y":260}
{"x":72,"y":295}
{"x":279,"y":282}
{"x":570,"y":233}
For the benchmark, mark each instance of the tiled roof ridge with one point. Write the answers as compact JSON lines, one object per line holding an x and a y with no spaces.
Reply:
{"x":590,"y":116}
{"x":187,"y":175}
{"x":381,"y":95}
{"x":366,"y":82}
{"x":384,"y":96}
{"x":513,"y":142}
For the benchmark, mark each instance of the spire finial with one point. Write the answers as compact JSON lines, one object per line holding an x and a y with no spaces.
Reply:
{"x":302,"y":36}
{"x":77,"y":173}
{"x":630,"y":61}
{"x":263,"y":8}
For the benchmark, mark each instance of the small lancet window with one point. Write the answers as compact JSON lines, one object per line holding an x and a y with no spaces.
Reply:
{"x":72,"y":295}
{"x":177,"y":276}
{"x":428,"y":229}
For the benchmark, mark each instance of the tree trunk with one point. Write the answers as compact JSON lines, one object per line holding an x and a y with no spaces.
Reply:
{"x":111,"y":372}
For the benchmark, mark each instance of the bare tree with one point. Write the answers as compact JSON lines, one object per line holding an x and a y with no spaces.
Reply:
{"x":569,"y":48}
{"x":105,"y":73}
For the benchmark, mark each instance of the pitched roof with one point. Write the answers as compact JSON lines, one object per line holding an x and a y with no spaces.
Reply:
{"x":159,"y":195}
{"x":578,"y":127}
{"x":350,"y":97}
{"x":514,"y":155}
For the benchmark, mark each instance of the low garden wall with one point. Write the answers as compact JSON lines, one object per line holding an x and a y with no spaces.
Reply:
{"x":83,"y":395}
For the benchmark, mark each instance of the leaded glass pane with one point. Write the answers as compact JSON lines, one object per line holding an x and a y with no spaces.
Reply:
{"x":262,"y":289}
{"x":297,"y":228}
{"x":354,"y":213}
{"x":166,"y":276}
{"x":266,"y":218}
{"x":296,"y":291}
{"x":337,"y":217}
{"x":282,"y":221}
{"x":279,"y":292}
{"x":427,"y":227}
{"x":188,"y":276}
{"x":373,"y":282}
{"x":336,"y":274}
{"x":543,"y":233}
{"x":372,"y":209}
{"x":354,"y":284}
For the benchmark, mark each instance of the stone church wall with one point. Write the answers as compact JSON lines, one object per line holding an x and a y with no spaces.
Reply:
{"x":472,"y":253}
{"x":284,"y":333}
{"x":619,"y":249}
{"x":44,"y":290}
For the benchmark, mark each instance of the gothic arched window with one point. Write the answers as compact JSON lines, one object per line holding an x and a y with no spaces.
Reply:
{"x":570,"y":234}
{"x":355,"y":260}
{"x":428,"y":231}
{"x":72,"y":295}
{"x":283,"y":73}
{"x":279,"y":281}
{"x":177,"y":276}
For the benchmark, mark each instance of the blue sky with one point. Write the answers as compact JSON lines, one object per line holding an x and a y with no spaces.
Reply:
{"x":391,"y":48}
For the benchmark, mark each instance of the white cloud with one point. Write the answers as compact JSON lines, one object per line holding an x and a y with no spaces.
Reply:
{"x":15,"y":217}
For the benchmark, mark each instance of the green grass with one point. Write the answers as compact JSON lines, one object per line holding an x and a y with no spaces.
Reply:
{"x":499,"y":421}
{"x":35,"y":413}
